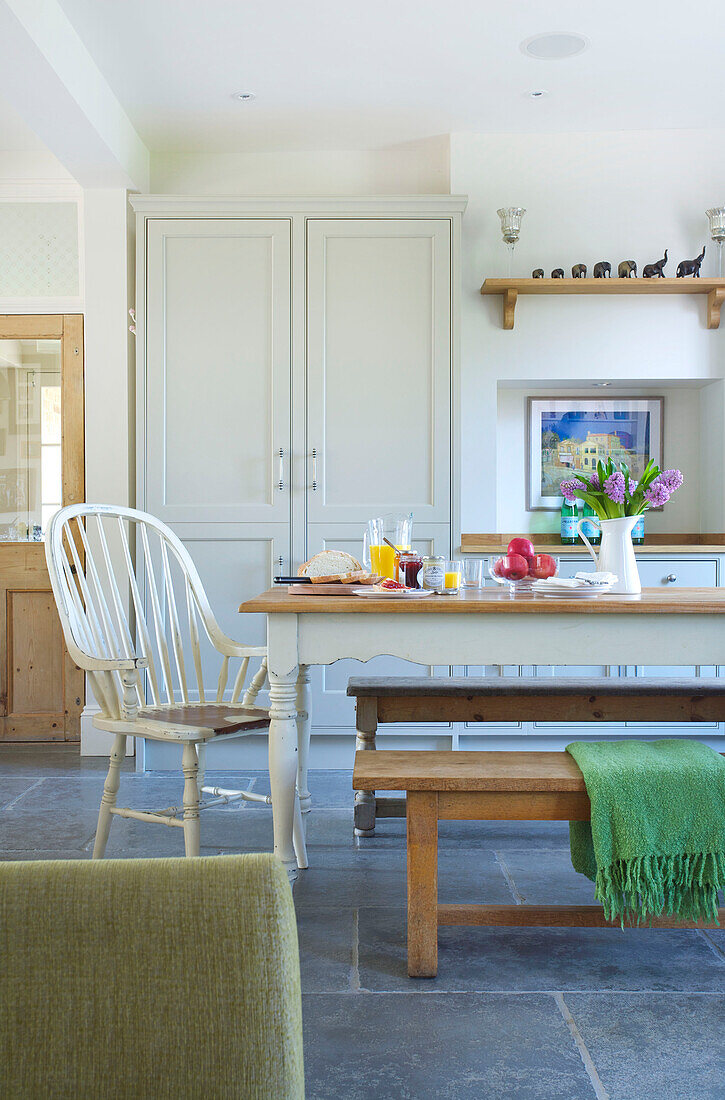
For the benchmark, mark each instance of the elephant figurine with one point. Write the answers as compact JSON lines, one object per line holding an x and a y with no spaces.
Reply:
{"x":579,"y":271}
{"x":558,"y":273}
{"x":655,"y":271}
{"x":603,"y":270}
{"x":538,"y":274}
{"x":627,"y":269}
{"x":691,"y":267}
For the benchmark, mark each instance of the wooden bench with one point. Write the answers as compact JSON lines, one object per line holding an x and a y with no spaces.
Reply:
{"x":482,"y":786}
{"x":418,"y":699}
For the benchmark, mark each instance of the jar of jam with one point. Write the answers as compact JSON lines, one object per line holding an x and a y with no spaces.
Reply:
{"x":410,"y":563}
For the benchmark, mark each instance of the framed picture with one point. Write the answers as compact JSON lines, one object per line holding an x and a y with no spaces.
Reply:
{"x":567,"y":436}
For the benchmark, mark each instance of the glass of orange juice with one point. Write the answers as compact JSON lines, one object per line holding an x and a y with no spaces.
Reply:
{"x":383,"y":560}
{"x":452,"y":578}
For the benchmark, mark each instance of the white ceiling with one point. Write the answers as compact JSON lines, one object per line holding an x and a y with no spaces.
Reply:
{"x":337,"y":74}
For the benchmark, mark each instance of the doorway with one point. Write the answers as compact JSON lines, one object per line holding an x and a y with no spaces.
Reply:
{"x":41,"y":468}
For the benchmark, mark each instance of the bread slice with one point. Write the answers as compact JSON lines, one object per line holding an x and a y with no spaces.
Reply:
{"x":329,"y":564}
{"x":357,"y":576}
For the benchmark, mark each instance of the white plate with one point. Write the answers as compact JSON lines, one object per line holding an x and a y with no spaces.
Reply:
{"x":587,"y":592}
{"x":408,"y":594}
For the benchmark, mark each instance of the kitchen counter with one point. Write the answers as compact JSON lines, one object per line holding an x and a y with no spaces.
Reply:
{"x":493,"y":543}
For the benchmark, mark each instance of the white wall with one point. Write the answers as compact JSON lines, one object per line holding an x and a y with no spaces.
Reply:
{"x":110,"y":436}
{"x":109,"y":369}
{"x":30,"y":166}
{"x":415,"y":168}
{"x":588,"y":197}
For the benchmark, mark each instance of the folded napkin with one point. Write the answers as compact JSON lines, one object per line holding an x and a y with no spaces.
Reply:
{"x":656,"y":840}
{"x":579,"y":580}
{"x":597,"y":578}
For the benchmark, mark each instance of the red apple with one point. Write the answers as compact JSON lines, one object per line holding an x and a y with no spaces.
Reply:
{"x":514,"y":567}
{"x":498,"y":566}
{"x":542,"y":566}
{"x":522,"y":546}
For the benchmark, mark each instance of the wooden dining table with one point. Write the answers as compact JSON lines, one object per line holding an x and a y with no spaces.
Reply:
{"x":684,"y":626}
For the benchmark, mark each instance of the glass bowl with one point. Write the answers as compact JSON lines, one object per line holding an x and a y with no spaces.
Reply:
{"x":522,"y":586}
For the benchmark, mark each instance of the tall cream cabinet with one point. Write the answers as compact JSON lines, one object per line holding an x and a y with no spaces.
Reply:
{"x":296,"y":375}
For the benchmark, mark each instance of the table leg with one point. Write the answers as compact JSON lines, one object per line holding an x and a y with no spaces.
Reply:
{"x":283,"y":763}
{"x":304,"y":722}
{"x":422,"y":884}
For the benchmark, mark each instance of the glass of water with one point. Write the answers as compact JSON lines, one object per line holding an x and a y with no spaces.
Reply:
{"x":472,"y":572}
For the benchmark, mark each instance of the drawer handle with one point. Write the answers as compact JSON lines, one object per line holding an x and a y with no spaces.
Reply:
{"x":671,"y":578}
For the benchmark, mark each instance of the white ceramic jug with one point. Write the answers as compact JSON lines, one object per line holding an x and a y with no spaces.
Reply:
{"x":616,"y":553}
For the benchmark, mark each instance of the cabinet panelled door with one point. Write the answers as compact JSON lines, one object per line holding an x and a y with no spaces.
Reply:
{"x":218,"y":362}
{"x":378,"y":368}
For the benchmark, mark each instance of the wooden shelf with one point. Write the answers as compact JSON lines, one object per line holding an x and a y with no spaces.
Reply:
{"x":547,"y":543}
{"x":509,"y":289}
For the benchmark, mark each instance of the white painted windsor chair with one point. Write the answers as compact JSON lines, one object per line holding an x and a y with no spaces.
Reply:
{"x":122,"y":624}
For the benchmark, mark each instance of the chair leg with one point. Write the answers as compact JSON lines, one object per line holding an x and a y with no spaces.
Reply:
{"x":190,"y":766}
{"x":201,"y":756}
{"x":298,"y":836}
{"x":110,"y":791}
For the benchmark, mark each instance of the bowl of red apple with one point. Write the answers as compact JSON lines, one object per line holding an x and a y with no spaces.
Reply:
{"x":520,"y":567}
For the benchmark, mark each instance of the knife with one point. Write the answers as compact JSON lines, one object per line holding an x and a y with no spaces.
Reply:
{"x":293,"y":580}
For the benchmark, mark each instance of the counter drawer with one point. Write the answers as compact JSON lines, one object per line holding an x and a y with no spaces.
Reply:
{"x":678,"y":573}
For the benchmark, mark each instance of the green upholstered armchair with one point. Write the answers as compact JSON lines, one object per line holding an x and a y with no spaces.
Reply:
{"x":148,"y":979}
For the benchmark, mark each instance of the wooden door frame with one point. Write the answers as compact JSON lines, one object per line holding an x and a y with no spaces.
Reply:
{"x":68,"y":328}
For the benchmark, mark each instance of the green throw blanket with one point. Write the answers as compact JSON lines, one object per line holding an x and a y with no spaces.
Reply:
{"x":656,"y":841}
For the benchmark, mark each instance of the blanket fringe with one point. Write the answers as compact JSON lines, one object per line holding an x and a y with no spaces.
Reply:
{"x":682,"y":886}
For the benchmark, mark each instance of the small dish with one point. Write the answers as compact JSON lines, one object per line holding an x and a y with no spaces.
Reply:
{"x":586,"y":592}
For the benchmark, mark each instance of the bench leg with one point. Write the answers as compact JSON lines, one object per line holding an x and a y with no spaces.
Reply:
{"x":422,"y":884}
{"x":366,"y":726}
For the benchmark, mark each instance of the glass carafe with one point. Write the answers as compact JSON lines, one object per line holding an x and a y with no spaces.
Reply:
{"x":378,"y":556}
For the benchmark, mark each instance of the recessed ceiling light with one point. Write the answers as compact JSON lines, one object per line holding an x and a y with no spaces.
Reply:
{"x":554,"y":47}
{"x":539,"y":94}
{"x":244,"y":96}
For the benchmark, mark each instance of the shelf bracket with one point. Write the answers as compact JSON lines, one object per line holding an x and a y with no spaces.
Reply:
{"x":509,"y":307}
{"x":715,"y":300}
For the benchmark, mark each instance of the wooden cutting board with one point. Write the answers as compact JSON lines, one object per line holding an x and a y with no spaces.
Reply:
{"x":322,"y":589}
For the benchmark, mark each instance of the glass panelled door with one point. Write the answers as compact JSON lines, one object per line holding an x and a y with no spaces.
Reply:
{"x":41,"y":468}
{"x":31,"y":466}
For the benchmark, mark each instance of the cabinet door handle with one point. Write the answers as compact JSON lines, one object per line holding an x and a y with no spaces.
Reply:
{"x":314,"y":469}
{"x":280,"y":562}
{"x":671,"y":578}
{"x":280,"y":485}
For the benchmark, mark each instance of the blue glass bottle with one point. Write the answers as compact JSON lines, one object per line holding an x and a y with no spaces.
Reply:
{"x":592,"y":530}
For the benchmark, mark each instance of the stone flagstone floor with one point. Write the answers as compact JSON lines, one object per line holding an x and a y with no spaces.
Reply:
{"x":530,"y":1014}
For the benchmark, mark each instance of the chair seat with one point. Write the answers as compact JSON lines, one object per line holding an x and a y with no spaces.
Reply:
{"x":219,"y":718}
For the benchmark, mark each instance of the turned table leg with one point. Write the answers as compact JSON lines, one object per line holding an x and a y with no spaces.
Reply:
{"x":366,"y":726}
{"x":422,"y":811}
{"x":283,"y":764}
{"x":304,"y":722}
